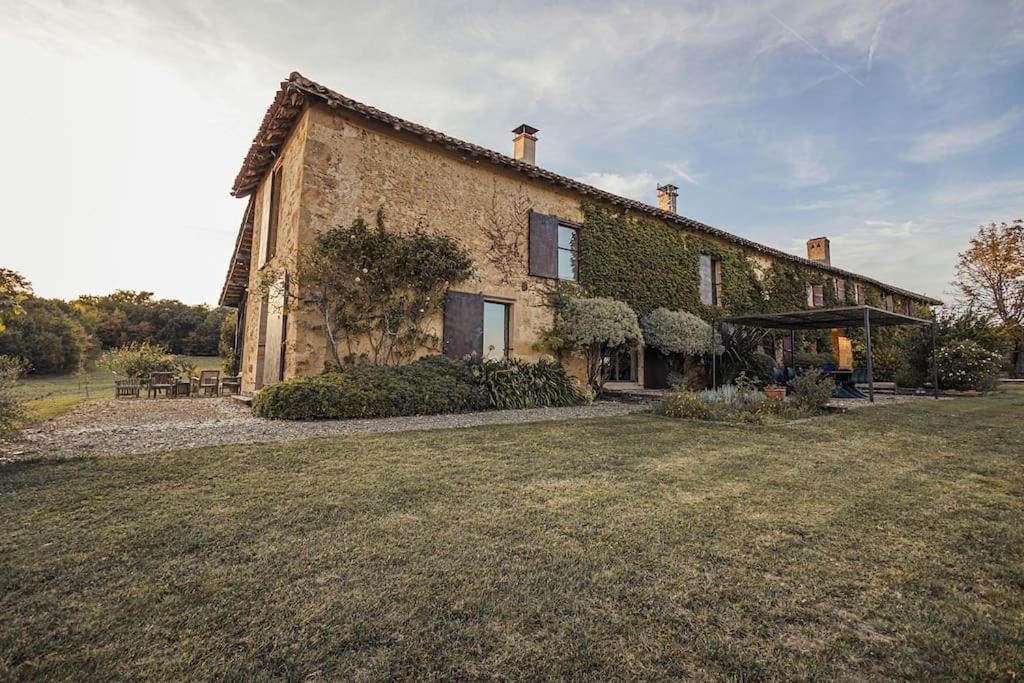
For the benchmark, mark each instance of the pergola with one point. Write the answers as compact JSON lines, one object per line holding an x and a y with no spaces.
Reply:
{"x":829,"y":318}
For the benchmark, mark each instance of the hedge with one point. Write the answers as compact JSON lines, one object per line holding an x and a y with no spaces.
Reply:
{"x":429,"y":386}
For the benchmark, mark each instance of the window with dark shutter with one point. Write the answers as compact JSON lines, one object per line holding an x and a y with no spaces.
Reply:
{"x":888,"y":303}
{"x":568,"y":241}
{"x":496,"y":336}
{"x":275,"y":210}
{"x":463,"y":325}
{"x":818,"y":295}
{"x":543,"y":245}
{"x":841,"y":290}
{"x":858,"y":290}
{"x":710,"y":280}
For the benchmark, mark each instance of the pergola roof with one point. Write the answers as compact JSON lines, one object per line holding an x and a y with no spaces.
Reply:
{"x":826,"y":318}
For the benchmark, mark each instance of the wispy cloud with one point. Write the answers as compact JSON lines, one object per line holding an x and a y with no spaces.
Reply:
{"x":807,"y":160}
{"x":816,"y":50}
{"x":940,"y":144}
{"x":874,"y":44}
{"x":681,"y":169}
{"x":639,"y":186}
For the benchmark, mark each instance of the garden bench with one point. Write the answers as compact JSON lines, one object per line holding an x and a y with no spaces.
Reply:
{"x":129,"y":386}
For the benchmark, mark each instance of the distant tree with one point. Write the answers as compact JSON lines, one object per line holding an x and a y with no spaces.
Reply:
{"x":48,"y":336}
{"x":14,"y":289}
{"x":990,"y":277}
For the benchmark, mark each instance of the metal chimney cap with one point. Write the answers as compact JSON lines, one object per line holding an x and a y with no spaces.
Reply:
{"x":524,"y":128}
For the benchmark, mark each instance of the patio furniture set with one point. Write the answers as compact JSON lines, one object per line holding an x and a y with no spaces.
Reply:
{"x":171,"y":385}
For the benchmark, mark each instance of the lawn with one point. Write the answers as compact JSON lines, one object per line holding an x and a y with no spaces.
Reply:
{"x":886,"y":543}
{"x":47,"y":396}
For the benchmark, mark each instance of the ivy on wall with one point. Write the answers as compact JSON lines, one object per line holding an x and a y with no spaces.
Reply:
{"x":650,"y":265}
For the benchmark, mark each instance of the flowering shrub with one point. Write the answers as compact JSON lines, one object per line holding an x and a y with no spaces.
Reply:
{"x":965,"y":365}
{"x":812,"y":390}
{"x":728,"y":404}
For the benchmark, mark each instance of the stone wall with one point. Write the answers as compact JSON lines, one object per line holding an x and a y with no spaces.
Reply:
{"x":338,"y":167}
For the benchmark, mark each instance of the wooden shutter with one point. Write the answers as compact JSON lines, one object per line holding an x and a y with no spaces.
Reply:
{"x":464,"y":325}
{"x":275,"y":213}
{"x":818,"y":295}
{"x":707,"y":285}
{"x":273,"y":350}
{"x":265,"y":205}
{"x":543,"y":245}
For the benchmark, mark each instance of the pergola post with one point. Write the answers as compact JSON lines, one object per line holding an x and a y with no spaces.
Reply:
{"x":935,"y":362}
{"x":792,"y":351}
{"x":714,"y":356}
{"x":867,"y":345}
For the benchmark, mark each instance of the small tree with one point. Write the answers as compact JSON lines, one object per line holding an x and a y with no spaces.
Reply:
{"x":990,"y":276}
{"x":375,"y":287}
{"x":14,"y":289}
{"x":226,"y":344}
{"x":11,"y":411}
{"x":677,"y":332}
{"x":139,"y":359}
{"x":589,"y":326}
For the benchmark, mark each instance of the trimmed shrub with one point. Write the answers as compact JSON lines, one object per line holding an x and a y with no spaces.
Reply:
{"x":11,"y":413}
{"x":513,"y":383}
{"x":966,"y":365}
{"x":677,"y":332}
{"x":139,"y":359}
{"x":589,"y":325}
{"x":812,"y":390}
{"x":426,"y":387}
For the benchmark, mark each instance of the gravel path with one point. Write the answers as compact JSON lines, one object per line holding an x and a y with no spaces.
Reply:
{"x":147,"y":425}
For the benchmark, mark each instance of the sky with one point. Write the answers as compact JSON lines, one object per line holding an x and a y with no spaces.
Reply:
{"x":894,"y":128}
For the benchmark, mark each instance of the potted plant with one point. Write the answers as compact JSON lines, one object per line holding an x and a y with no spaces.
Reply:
{"x":773,"y":391}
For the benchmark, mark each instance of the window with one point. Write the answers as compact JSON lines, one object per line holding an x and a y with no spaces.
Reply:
{"x":567,"y":252}
{"x":888,"y":303}
{"x":619,"y":364}
{"x":274,"y":210}
{"x":815,"y":296}
{"x":841,"y":290}
{"x":858,"y":290}
{"x":710,"y":280}
{"x":908,"y":307}
{"x":495,"y":330}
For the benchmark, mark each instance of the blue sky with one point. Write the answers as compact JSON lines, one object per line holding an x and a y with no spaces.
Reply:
{"x":894,"y":128}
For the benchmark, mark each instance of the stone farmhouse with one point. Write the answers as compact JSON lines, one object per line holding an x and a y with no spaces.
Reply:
{"x":321,"y":160}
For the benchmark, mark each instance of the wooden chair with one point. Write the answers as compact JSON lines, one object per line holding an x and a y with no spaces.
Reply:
{"x":207,"y":382}
{"x":166,"y":382}
{"x":233,"y":385}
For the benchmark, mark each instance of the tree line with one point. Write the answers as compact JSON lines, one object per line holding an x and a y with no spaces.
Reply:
{"x":56,"y":336}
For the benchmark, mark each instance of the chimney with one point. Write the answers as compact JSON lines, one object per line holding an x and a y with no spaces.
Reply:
{"x":667,"y":194}
{"x":524,"y":144}
{"x":818,"y":250}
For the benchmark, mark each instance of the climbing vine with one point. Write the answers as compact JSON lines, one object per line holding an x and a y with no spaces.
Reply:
{"x":650,"y":265}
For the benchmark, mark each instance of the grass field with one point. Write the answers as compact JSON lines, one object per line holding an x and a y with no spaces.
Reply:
{"x":47,"y":396}
{"x":886,"y":543}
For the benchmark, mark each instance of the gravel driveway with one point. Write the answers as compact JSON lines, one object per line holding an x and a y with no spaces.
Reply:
{"x":146,"y":425}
